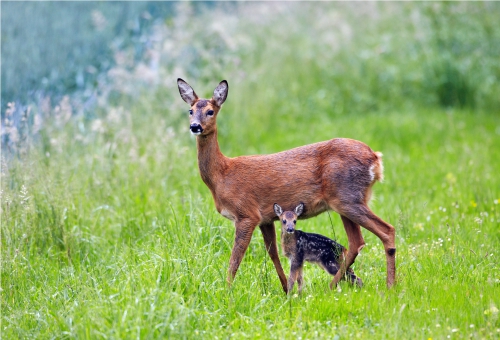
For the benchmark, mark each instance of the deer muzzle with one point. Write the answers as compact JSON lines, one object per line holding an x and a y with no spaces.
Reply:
{"x":196,"y":129}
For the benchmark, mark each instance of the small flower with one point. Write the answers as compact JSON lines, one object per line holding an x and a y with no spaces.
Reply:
{"x":450,"y":178}
{"x":24,"y":195}
{"x":491,"y":311}
{"x":419,"y":226}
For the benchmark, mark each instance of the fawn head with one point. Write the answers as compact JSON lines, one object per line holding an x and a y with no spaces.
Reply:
{"x":203,"y":112}
{"x":288,"y":218}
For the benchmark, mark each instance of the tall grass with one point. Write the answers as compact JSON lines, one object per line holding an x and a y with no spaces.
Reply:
{"x":108,"y":231}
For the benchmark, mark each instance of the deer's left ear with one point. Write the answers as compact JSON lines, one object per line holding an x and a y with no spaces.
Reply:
{"x":277,"y":209}
{"x":299,"y":209}
{"x":220,"y":93}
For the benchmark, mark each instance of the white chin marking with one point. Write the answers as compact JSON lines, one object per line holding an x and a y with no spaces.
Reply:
{"x":195,"y":133}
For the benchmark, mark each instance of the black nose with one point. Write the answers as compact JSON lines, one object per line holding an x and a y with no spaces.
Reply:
{"x":196,"y":128}
{"x":289,"y":230}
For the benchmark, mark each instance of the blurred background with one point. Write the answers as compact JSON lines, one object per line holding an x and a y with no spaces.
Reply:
{"x":354,"y":57}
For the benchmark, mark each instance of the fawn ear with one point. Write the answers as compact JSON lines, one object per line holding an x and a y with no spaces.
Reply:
{"x":299,"y":209}
{"x":220,"y":93}
{"x":187,"y":92}
{"x":277,"y":209}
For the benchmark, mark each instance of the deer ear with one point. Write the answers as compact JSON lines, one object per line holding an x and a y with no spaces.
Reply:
{"x":187,"y":92}
{"x":277,"y":209}
{"x":299,"y":209}
{"x":220,"y":93}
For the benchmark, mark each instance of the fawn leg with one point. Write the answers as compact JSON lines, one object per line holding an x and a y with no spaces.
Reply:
{"x":269,"y":234}
{"x":362,"y":215}
{"x":353,"y":279}
{"x":300,"y":279}
{"x":356,"y":243}
{"x":295,"y":269}
{"x":243,"y":235}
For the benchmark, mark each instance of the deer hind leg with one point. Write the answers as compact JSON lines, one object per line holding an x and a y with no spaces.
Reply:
{"x":356,"y":243}
{"x":362,"y":215}
{"x":243,"y":235}
{"x":269,"y":234}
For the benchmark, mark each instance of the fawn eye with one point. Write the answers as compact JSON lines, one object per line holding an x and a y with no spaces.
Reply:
{"x":210,"y":113}
{"x":190,"y":112}
{"x":284,"y":221}
{"x":294,"y":221}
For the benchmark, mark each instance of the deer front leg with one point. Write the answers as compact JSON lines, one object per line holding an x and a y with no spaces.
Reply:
{"x":269,"y":234}
{"x":243,"y":235}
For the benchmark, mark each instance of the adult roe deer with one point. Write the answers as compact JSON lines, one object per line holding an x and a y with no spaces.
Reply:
{"x":300,"y":246}
{"x":332,"y":175}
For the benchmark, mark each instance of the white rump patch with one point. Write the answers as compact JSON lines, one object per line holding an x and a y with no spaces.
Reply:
{"x":372,"y":174}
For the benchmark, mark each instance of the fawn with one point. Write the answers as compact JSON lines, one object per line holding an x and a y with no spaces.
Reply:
{"x":337,"y":174}
{"x":300,"y":246}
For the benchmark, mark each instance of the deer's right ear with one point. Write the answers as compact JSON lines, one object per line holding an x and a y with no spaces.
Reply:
{"x":187,"y":92}
{"x":277,"y":209}
{"x":220,"y":93}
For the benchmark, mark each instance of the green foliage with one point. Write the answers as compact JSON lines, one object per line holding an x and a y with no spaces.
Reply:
{"x":115,"y":235}
{"x":108,"y":231}
{"x":59,"y":47}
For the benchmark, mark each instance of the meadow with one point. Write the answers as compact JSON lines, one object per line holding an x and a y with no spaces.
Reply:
{"x":109,"y":232}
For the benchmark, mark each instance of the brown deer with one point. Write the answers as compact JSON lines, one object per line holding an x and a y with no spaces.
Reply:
{"x":300,"y":246}
{"x":332,"y":175}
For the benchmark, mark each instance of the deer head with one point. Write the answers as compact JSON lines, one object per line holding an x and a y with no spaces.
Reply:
{"x":203,"y":112}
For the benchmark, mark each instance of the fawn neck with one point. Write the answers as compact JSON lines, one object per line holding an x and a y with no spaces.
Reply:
{"x":287,"y":238}
{"x":211,"y":161}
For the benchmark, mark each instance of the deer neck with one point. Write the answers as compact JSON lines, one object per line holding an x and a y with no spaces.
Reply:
{"x":211,"y":161}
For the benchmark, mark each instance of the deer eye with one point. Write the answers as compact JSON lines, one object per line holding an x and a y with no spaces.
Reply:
{"x":210,"y":113}
{"x":294,"y":221}
{"x":190,"y":112}
{"x":284,"y":221}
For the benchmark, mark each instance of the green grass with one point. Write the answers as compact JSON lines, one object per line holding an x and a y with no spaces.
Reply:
{"x":109,"y":232}
{"x":113,"y":245}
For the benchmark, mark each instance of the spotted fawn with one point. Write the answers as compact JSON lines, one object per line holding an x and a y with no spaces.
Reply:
{"x":300,"y":246}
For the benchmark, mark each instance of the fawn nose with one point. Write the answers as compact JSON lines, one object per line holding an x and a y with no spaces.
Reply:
{"x":289,"y":229}
{"x":196,"y":129}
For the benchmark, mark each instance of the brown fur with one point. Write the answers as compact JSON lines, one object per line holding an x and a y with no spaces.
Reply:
{"x":333,"y":174}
